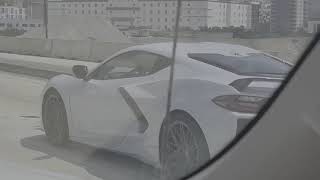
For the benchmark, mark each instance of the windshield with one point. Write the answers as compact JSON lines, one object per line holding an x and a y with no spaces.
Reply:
{"x":255,"y":64}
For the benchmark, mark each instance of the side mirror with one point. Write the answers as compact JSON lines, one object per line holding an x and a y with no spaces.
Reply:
{"x":80,"y":71}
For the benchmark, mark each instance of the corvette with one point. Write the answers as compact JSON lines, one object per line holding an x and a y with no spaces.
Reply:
{"x":121,"y":104}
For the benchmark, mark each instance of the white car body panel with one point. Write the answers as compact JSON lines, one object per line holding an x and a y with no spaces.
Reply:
{"x":89,"y":103}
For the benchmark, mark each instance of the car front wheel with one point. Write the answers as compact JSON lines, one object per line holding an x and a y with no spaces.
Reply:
{"x":54,"y":118}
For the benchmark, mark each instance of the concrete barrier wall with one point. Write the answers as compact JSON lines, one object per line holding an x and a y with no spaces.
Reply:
{"x":85,"y":50}
{"x":288,"y":49}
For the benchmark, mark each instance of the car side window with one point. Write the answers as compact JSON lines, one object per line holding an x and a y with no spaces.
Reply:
{"x":131,"y":64}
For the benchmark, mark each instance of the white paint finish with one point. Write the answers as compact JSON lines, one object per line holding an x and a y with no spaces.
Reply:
{"x":284,"y":145}
{"x":27,"y":154}
{"x":101,"y":117}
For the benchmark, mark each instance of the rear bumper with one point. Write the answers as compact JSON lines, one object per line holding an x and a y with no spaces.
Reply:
{"x":243,"y":120}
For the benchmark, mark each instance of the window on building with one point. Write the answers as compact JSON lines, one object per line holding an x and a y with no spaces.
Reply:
{"x":69,"y":5}
{"x":75,"y":12}
{"x":82,"y":5}
{"x":82,"y":11}
{"x":151,"y":20}
{"x":158,"y":4}
{"x":158,"y":11}
{"x":151,"y":5}
{"x":166,"y":19}
{"x":32,"y":25}
{"x":63,"y":5}
{"x":75,"y":5}
{"x":96,"y":5}
{"x":24,"y":25}
{"x":166,"y":4}
{"x":166,"y":11}
{"x":89,"y":12}
{"x":39,"y":25}
{"x":151,"y":12}
{"x":158,"y":19}
{"x":89,"y":5}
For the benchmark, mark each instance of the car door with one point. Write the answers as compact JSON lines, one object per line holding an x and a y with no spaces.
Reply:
{"x":101,"y":109}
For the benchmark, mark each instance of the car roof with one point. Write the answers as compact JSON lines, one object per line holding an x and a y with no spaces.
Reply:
{"x":183,"y":49}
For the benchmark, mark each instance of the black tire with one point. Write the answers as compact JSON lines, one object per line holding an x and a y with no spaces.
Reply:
{"x":54,"y":118}
{"x":170,"y":158}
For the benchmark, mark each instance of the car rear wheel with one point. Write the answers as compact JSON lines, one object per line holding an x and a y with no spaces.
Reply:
{"x":54,"y":118}
{"x":183,"y":147}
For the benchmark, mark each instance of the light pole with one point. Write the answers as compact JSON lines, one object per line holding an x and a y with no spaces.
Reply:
{"x":45,"y":17}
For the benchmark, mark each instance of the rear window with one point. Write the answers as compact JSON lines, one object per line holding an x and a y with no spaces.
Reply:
{"x":254,"y":64}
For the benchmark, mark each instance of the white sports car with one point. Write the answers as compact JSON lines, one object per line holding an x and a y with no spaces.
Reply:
{"x":121,"y":104}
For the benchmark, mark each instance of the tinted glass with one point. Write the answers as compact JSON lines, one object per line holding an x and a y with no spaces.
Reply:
{"x":130,"y":64}
{"x":254,"y":64}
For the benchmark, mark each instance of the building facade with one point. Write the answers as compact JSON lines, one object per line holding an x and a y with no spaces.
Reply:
{"x":313,"y":25}
{"x":289,"y":16}
{"x":12,"y":12}
{"x":15,"y":17}
{"x":160,"y":15}
{"x":121,"y":13}
{"x":233,"y":14}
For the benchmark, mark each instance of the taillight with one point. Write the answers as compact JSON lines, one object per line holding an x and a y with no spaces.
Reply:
{"x":240,"y":103}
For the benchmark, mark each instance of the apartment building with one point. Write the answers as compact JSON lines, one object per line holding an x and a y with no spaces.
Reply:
{"x":160,"y":15}
{"x":121,"y":13}
{"x":233,"y":14}
{"x":289,"y":15}
{"x":12,"y":12}
{"x":15,"y":17}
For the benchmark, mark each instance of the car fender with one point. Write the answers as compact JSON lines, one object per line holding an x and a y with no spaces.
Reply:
{"x":194,"y":96}
{"x":64,"y":85}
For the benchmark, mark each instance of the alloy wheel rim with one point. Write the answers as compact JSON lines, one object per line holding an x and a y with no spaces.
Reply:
{"x":181,"y":151}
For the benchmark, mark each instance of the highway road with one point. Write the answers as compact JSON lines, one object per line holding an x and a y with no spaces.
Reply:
{"x":22,"y":140}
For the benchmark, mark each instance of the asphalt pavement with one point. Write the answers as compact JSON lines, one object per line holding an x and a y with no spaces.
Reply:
{"x":23,"y":141}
